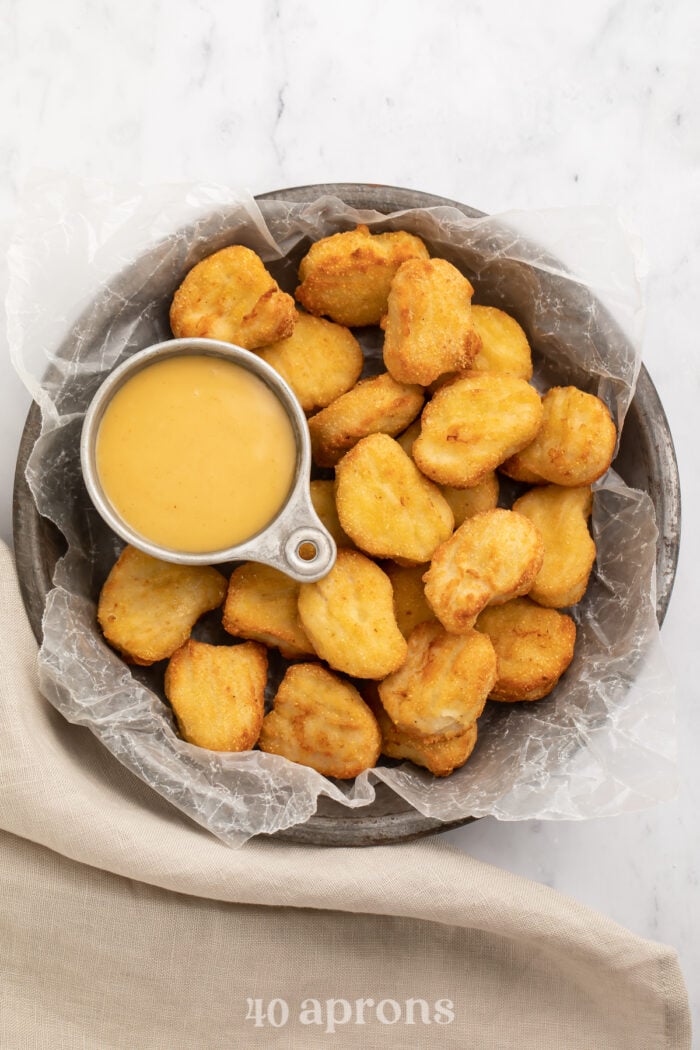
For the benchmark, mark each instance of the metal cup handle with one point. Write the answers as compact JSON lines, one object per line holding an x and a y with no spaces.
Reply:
{"x":297,"y":543}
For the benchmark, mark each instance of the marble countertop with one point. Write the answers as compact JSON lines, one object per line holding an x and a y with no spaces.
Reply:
{"x":500,"y":106}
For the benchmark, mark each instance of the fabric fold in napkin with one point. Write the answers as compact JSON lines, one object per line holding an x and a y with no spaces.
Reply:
{"x":123,"y":924}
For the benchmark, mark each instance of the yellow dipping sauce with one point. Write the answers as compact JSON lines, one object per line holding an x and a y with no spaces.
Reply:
{"x":195,"y":453}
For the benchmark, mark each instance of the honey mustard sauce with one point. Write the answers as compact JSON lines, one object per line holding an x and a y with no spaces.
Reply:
{"x":196,"y":453}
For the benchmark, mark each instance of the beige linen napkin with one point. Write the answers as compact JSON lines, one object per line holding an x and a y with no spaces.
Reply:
{"x":125,"y":925}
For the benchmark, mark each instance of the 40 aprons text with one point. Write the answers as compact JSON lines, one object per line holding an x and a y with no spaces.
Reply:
{"x":331,"y":1014}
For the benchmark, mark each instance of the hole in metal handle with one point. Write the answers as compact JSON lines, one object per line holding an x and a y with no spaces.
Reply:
{"x":310,"y":553}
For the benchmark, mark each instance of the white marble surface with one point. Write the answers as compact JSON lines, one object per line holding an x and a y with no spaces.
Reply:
{"x":500,"y":105}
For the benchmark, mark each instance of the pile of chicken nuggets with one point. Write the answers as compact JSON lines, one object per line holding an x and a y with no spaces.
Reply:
{"x":440,"y":599}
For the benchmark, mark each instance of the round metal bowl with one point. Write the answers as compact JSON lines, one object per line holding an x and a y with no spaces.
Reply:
{"x":296,"y":522}
{"x":646,"y":460}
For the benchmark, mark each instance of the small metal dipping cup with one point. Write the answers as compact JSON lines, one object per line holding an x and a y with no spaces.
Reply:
{"x":294,"y":541}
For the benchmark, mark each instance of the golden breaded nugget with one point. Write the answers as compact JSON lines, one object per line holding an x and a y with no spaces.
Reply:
{"x":410,"y":605}
{"x":318,"y":720}
{"x":349,"y":617}
{"x":465,"y":503}
{"x":491,"y":558}
{"x":534,"y":646}
{"x":440,"y":755}
{"x":148,"y":607}
{"x":320,"y":360}
{"x":442,"y":687}
{"x":348,"y":276}
{"x":378,"y":405}
{"x":575,"y":444}
{"x":231,"y":296}
{"x":428,"y":324}
{"x":409,"y":435}
{"x":470,"y":426}
{"x":386,"y":505}
{"x":323,"y":499}
{"x":504,"y":345}
{"x":218,"y":693}
{"x":561,"y":516}
{"x":261,"y":604}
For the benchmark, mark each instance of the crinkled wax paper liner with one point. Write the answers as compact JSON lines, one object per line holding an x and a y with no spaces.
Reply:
{"x":100,"y":262}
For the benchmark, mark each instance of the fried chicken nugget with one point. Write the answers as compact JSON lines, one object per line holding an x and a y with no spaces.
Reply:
{"x":349,"y":617}
{"x":428,"y":325}
{"x":473,"y":424}
{"x":261,"y":604}
{"x":323,"y":499}
{"x":491,"y":558}
{"x":465,"y":503}
{"x":320,"y":360}
{"x":410,"y":605}
{"x":534,"y":646}
{"x":561,"y":516}
{"x":348,"y":276}
{"x":442,"y":687}
{"x":440,"y":755}
{"x":378,"y":405}
{"x":386,"y":505}
{"x":231,"y":296}
{"x":148,"y":607}
{"x":318,"y":720}
{"x":504,"y":345}
{"x":218,"y":693}
{"x":575,"y":444}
